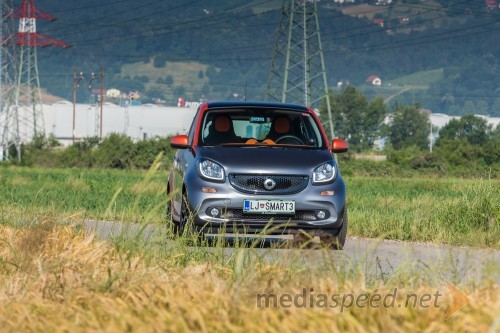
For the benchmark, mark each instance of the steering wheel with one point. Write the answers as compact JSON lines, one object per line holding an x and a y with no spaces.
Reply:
{"x":293,"y":137}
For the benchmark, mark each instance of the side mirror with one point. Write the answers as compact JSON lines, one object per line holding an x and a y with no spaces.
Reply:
{"x":339,"y":146}
{"x":179,"y":142}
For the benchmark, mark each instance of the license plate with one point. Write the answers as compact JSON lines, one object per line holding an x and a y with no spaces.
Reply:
{"x":269,"y":206}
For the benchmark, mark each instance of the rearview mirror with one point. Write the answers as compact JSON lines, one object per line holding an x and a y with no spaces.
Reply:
{"x":179,"y":142}
{"x":339,"y":146}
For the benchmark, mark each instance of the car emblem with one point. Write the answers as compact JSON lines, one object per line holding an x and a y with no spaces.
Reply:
{"x":269,"y":184}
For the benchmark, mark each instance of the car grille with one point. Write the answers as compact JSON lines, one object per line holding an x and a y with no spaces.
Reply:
{"x":255,"y":183}
{"x":301,"y":215}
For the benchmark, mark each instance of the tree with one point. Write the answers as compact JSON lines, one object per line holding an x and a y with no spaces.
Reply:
{"x":409,"y":127}
{"x":160,"y":61}
{"x":354,"y":118}
{"x":179,"y":91}
{"x":169,"y":80}
{"x":474,"y":129}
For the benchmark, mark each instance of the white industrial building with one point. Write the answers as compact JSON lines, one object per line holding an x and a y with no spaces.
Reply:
{"x":137,"y":122}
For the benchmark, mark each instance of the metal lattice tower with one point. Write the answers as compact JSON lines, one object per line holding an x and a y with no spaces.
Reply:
{"x":7,"y":74}
{"x":298,"y":73}
{"x":23,"y":111}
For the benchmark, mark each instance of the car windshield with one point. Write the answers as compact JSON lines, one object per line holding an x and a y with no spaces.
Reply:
{"x":261,"y":127}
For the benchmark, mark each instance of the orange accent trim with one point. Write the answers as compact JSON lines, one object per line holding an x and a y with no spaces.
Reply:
{"x":251,"y":142}
{"x":200,"y":114}
{"x":269,"y":142}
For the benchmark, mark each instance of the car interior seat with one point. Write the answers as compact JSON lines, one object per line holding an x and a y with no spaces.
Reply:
{"x":279,"y":128}
{"x":221,"y":131}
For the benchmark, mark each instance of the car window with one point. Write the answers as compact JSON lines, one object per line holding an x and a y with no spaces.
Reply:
{"x":260,"y":126}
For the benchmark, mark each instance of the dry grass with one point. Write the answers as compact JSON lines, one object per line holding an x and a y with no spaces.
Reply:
{"x":55,"y":279}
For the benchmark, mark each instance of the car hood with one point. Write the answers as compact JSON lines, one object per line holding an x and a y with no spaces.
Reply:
{"x":264,"y":160}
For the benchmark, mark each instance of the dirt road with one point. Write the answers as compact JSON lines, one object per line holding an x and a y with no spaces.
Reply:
{"x":373,"y":257}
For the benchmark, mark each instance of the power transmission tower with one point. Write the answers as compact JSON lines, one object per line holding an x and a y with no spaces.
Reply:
{"x":7,"y":75}
{"x":298,"y":73}
{"x":23,"y":112}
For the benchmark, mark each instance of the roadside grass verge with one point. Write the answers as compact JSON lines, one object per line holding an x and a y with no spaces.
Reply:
{"x":56,"y":278}
{"x":451,"y":211}
{"x":442,"y":210}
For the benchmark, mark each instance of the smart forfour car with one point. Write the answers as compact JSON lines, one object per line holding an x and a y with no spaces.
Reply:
{"x":251,"y":167}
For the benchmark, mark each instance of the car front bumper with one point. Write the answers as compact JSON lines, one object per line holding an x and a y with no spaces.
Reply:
{"x":229,"y":201}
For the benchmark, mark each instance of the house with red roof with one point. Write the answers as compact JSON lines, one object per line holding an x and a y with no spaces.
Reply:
{"x":374,"y":80}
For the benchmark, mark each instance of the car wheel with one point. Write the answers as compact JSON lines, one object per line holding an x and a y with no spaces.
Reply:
{"x":185,"y":220}
{"x":337,"y":237}
{"x":172,"y":226}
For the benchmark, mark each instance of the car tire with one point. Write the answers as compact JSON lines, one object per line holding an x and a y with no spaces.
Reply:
{"x":335,"y":238}
{"x":172,"y":226}
{"x":185,"y":227}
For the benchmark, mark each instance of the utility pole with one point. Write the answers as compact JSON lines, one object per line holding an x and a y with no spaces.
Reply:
{"x":101,"y":99}
{"x":430,"y":141}
{"x":298,"y":73}
{"x":76,"y":84}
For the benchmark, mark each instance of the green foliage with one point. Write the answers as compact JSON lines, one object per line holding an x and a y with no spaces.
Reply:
{"x":404,"y":156}
{"x":146,"y":152}
{"x":429,"y":161}
{"x":115,"y":151}
{"x":169,"y":80}
{"x":355,"y":119}
{"x":160,"y":61}
{"x":179,"y":91}
{"x":409,"y":127}
{"x":142,"y":78}
{"x":41,"y":148}
{"x":474,"y":129}
{"x":81,"y":154}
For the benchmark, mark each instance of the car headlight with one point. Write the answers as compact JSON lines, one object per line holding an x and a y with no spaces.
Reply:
{"x":211,"y":170}
{"x":324,"y":173}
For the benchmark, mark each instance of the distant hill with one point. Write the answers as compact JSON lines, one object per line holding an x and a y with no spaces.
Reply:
{"x":227,"y":48}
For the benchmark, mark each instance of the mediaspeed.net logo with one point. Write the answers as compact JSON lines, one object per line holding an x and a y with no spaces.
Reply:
{"x":309,"y":298}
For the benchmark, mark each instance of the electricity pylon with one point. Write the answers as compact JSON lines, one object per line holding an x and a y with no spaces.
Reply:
{"x":7,"y":74}
{"x":23,"y":118}
{"x":298,"y":73}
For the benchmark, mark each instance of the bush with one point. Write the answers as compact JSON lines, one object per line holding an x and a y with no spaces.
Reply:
{"x":115,"y":151}
{"x":428,"y":161}
{"x":81,"y":154}
{"x":146,"y":152}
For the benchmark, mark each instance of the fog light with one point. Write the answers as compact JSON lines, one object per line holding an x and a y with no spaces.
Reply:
{"x":327,"y":193}
{"x":214,"y":212}
{"x":321,"y":215}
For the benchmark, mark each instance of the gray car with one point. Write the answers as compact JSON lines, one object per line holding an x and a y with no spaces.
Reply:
{"x":252,"y":167}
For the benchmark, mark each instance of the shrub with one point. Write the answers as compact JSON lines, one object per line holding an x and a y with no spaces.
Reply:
{"x":428,"y":161}
{"x":115,"y":151}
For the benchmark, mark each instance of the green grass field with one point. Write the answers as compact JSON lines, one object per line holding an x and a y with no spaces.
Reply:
{"x":57,"y":278}
{"x":443,"y":210}
{"x":184,"y":74}
{"x":422,"y":78}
